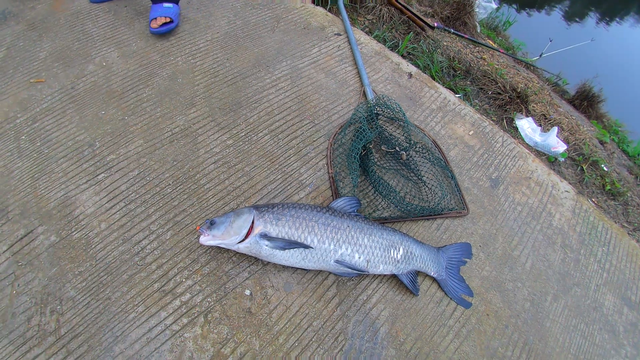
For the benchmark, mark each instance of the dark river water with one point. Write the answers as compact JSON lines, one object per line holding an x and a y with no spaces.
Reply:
{"x":612,"y":61}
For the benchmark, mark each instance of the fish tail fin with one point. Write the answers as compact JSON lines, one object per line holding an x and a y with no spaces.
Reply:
{"x":451,"y":281}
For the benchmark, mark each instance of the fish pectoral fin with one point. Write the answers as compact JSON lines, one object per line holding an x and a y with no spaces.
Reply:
{"x":410,"y":279}
{"x":346,"y":274}
{"x":351,"y":267}
{"x":347,"y":205}
{"x":277,"y":243}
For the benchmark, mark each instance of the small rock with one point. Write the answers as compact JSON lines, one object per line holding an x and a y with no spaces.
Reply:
{"x":247,"y":292}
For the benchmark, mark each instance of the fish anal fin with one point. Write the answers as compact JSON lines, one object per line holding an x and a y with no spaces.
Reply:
{"x":351,"y":267}
{"x":410,"y":279}
{"x":277,"y":243}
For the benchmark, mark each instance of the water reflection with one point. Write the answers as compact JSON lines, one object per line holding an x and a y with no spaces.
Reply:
{"x":610,"y":61}
{"x":576,"y":11}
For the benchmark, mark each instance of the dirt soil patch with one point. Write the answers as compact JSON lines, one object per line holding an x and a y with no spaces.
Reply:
{"x":499,"y":87}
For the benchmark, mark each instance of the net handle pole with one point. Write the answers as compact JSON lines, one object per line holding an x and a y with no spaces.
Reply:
{"x":356,"y":52}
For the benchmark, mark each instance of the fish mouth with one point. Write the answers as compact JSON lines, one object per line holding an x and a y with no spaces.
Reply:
{"x":202,"y":231}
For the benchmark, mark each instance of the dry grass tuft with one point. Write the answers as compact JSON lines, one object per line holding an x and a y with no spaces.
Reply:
{"x":588,"y":101}
{"x":459,"y":15}
{"x":502,"y":93}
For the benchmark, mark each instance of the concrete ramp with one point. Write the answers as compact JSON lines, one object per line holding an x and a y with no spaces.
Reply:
{"x":133,"y":140}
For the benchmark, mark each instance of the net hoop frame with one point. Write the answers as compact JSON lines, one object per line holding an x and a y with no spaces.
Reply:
{"x":334,"y":188}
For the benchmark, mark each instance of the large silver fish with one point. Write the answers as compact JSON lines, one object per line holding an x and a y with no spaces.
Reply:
{"x":340,"y":240}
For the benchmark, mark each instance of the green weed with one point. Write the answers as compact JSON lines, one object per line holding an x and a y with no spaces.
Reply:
{"x":559,"y":85}
{"x":518,"y":45}
{"x":428,"y":59}
{"x":495,"y":27}
{"x":431,"y":63}
{"x":589,"y":101}
{"x":587,"y":162}
{"x":620,"y":136}
{"x":384,"y":37}
{"x":611,"y":185}
{"x":499,"y":21}
{"x":405,"y":45}
{"x":613,"y":130}
{"x":595,"y":169}
{"x":601,"y":134}
{"x":512,"y":47}
{"x":562,"y":156}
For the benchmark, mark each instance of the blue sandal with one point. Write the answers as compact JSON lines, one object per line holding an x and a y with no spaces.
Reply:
{"x":167,"y":10}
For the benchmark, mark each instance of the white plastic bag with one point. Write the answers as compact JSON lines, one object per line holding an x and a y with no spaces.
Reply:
{"x":484,"y":8}
{"x":548,"y":142}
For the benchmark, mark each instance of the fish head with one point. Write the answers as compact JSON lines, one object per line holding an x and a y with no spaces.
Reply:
{"x":227,"y":230}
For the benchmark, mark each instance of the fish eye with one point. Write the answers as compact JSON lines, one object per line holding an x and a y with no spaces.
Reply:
{"x":211,"y":222}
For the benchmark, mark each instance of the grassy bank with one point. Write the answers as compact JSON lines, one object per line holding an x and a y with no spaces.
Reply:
{"x":589,"y":102}
{"x":601,"y":162}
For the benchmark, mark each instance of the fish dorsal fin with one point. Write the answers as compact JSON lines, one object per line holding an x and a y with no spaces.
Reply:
{"x":346,"y":204}
{"x":277,"y":243}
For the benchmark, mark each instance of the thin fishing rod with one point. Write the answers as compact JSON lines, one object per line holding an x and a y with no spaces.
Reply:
{"x":563,"y":49}
{"x":441,"y":27}
{"x":423,"y":24}
{"x":545,"y":48}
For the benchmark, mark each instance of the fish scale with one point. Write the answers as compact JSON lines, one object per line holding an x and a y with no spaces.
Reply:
{"x":337,"y":239}
{"x":320,"y":228}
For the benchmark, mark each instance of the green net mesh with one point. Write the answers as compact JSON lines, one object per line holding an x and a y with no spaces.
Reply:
{"x":396,"y":170}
